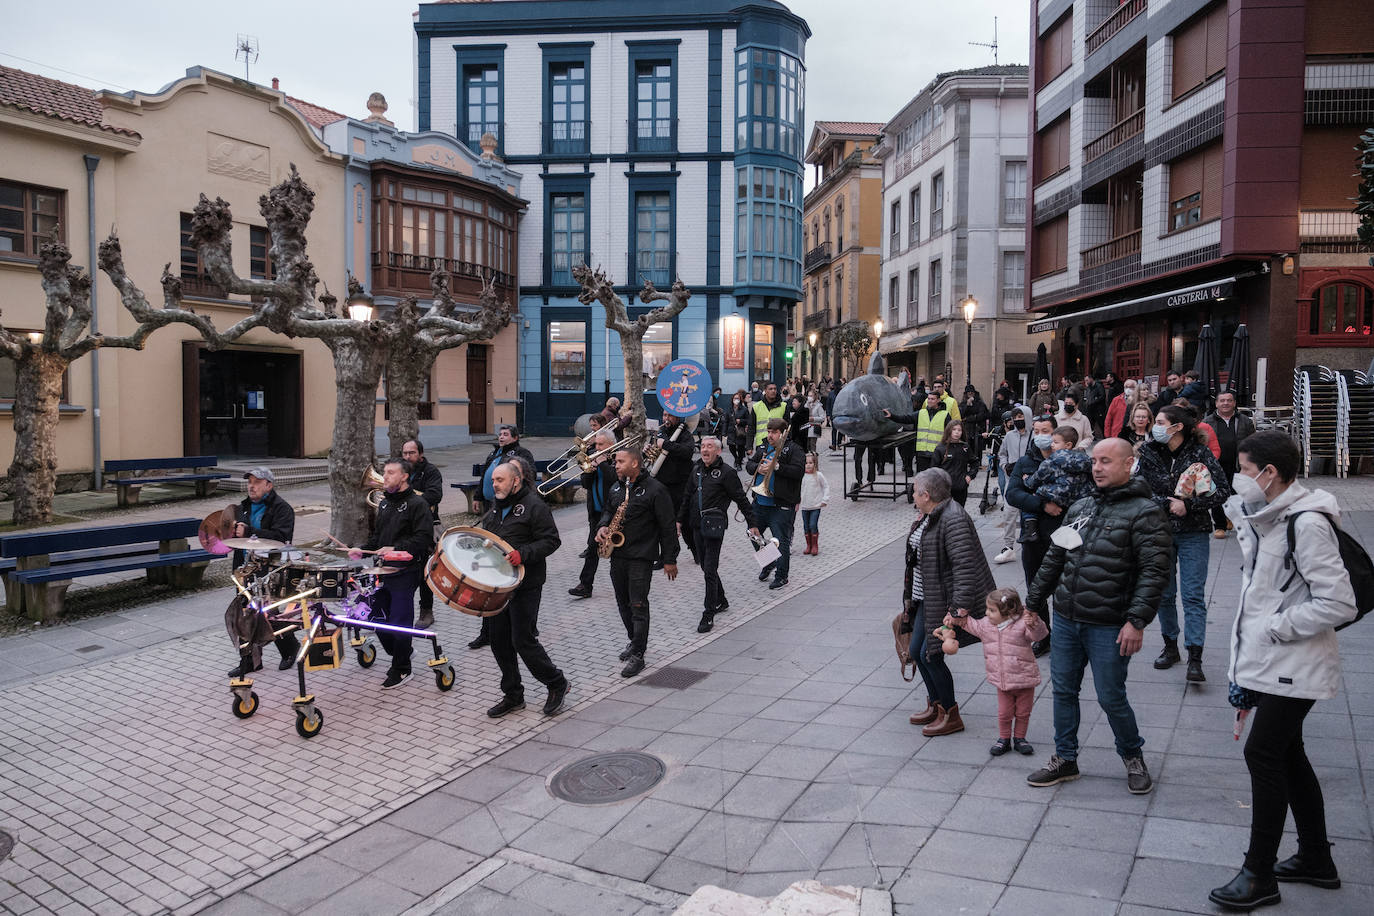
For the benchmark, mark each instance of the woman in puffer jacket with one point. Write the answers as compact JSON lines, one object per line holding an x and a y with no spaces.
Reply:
{"x":1285,"y":657}
{"x":1175,"y":447}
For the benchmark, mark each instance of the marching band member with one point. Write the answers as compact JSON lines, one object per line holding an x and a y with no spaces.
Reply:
{"x":426,"y":480}
{"x":263,"y":514}
{"x":782,"y":463}
{"x":710,"y":491}
{"x":521,"y":518}
{"x":640,"y":510}
{"x":507,"y":447}
{"x":676,"y":467}
{"x":598,"y":485}
{"x":403,"y":523}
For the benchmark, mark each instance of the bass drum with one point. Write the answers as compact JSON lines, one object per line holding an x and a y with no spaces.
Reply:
{"x":469,"y":572}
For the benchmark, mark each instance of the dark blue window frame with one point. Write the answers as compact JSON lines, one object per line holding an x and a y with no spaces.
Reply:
{"x":575,"y":396}
{"x":770,"y":101}
{"x":663,"y":276}
{"x":565,"y":133}
{"x":473,"y":63}
{"x":560,"y":187}
{"x":647,"y":135}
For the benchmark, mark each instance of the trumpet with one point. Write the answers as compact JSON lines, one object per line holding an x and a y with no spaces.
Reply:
{"x":373,"y":482}
{"x":577,"y":452}
{"x":765,"y":488}
{"x":582,"y":463}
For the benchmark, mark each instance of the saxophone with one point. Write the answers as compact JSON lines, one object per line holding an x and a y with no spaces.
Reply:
{"x":614,"y":536}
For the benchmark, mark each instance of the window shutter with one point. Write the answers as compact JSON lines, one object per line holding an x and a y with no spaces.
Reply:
{"x":1190,"y":51}
{"x":1216,"y":40}
{"x":1185,"y":177}
{"x":1211,"y":181}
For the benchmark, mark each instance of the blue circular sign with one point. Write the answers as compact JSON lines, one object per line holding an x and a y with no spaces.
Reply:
{"x":684,"y":388}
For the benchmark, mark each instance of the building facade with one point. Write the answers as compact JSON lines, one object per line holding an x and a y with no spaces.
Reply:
{"x":842,"y":229}
{"x":954,"y":164}
{"x":1191,"y":165}
{"x":655,"y":142}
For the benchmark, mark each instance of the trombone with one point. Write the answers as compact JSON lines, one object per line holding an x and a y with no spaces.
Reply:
{"x":581,"y":463}
{"x":577,"y":452}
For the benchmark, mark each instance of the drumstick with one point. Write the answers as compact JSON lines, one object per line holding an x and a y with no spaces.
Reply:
{"x":346,"y":547}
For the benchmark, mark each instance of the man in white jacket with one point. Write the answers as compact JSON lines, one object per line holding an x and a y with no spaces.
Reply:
{"x":1015,"y":441}
{"x":1284,"y":657}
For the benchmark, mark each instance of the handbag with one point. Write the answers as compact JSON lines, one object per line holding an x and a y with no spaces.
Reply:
{"x":901,"y":632}
{"x":713,"y":521}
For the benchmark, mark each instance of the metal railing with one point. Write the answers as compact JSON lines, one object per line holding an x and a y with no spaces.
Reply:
{"x":817,"y":257}
{"x":1014,"y":209}
{"x":1114,"y":23}
{"x":398,"y":260}
{"x":1328,"y":231}
{"x":1116,"y":135}
{"x":1122,"y":246}
{"x":919,"y":152}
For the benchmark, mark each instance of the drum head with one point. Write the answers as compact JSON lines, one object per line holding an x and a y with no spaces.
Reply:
{"x":467,"y":553}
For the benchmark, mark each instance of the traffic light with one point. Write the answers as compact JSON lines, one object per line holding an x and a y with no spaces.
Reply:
{"x":788,"y":353}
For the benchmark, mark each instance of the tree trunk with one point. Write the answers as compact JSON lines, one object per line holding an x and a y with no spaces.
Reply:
{"x":37,"y":394}
{"x":405,"y":382}
{"x":632,"y":346}
{"x":357,"y":372}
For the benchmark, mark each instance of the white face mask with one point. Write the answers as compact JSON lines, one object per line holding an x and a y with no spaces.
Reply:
{"x":1130,"y":392}
{"x":1249,"y":490}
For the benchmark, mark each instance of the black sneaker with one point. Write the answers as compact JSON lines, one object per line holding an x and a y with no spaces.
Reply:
{"x":628,"y":651}
{"x":765,"y":573}
{"x":724,"y":606}
{"x":288,"y":661}
{"x":633,"y":666}
{"x":707,"y":622}
{"x":479,"y":642}
{"x":1022,"y":746}
{"x":1138,"y":776}
{"x":776,"y":584}
{"x":580,"y":591}
{"x":1000,"y":747}
{"x":244,"y":668}
{"x":395,"y":679}
{"x":1053,"y":773}
{"x":555,"y":700}
{"x":506,"y":705}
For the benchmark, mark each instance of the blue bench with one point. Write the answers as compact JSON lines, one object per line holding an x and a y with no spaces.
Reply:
{"x":127,"y":488}
{"x":564,"y":494}
{"x":38,"y":567}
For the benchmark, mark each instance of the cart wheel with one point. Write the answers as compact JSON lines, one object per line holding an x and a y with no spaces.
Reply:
{"x":444,"y":678}
{"x":243,"y":709}
{"x":367,"y":655}
{"x":309,"y":728}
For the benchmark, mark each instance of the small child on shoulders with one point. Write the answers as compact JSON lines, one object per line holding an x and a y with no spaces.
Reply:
{"x":1063,"y":478}
{"x":1007,"y":632}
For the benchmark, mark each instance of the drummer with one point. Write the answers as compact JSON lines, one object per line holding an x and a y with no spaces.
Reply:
{"x":265,"y":515}
{"x":403,"y":523}
{"x":523,"y":520}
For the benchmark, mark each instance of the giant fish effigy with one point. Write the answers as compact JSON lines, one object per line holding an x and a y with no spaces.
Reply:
{"x":859,"y":405}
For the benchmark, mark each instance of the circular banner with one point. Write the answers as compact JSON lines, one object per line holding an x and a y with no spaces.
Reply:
{"x":684,"y":388}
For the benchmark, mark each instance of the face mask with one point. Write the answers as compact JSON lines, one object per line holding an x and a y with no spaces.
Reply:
{"x":1043,"y":440}
{"x":1130,"y":393}
{"x":1020,"y":424}
{"x":1161,"y":433}
{"x":1069,"y":408}
{"x":1249,"y":490}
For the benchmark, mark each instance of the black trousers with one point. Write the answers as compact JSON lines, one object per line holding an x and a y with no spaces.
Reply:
{"x":589,"y":564}
{"x":1281,"y":778}
{"x":738,"y":450}
{"x":873,"y":455}
{"x":709,"y":551}
{"x":924,"y":460}
{"x":631,"y":580}
{"x":678,"y":492}
{"x":396,"y":599}
{"x":908,"y":452}
{"x":1219,"y":519}
{"x":1032,"y":555}
{"x":513,"y":637}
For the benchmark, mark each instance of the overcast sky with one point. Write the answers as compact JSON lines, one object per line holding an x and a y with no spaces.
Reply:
{"x":865,"y":60}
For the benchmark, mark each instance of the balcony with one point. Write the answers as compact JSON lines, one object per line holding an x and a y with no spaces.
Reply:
{"x":1014,"y":209}
{"x":1123,"y":246}
{"x":565,"y":138}
{"x":652,"y":135}
{"x":816,"y":321}
{"x":817,"y":257}
{"x":1128,"y":10}
{"x":1116,"y":135}
{"x":407,"y":272}
{"x":919,"y":152}
{"x":202,"y":287}
{"x":1328,"y":231}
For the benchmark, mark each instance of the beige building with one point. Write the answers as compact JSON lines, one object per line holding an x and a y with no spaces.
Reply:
{"x":842,"y":226}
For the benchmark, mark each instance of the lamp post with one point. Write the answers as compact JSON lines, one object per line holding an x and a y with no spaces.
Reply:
{"x":811,"y":339}
{"x":360,"y":307}
{"x":970,"y":310}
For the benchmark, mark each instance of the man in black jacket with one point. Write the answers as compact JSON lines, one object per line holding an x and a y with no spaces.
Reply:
{"x":1040,"y":517}
{"x":1232,"y":428}
{"x":650,"y":534}
{"x":1106,"y":591}
{"x":778,"y":512}
{"x":426,"y":480}
{"x":262,"y":514}
{"x":523,"y":520}
{"x":403,"y":523}
{"x":507,"y":447}
{"x":597,"y":485}
{"x":677,"y":466}
{"x":711,"y":489}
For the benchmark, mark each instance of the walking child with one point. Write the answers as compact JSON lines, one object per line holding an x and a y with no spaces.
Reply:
{"x":815,"y":493}
{"x":1007,"y":632}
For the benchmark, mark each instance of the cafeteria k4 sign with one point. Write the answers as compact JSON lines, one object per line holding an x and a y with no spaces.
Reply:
{"x":684,"y":388}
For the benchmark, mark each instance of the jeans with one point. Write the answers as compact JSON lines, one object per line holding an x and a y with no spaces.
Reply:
{"x":1282,"y":778}
{"x":512,"y":635}
{"x":811,"y":521}
{"x":631,"y":580}
{"x":709,"y":551}
{"x":1074,"y":647}
{"x":779,"y":520}
{"x":1192,"y":550}
{"x":397,"y":599}
{"x":934,"y":674}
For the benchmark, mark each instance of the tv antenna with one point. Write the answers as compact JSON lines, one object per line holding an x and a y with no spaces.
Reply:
{"x":990,"y":44}
{"x":246,"y":49}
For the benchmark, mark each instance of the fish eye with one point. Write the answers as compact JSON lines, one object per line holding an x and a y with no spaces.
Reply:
{"x":864,"y":398}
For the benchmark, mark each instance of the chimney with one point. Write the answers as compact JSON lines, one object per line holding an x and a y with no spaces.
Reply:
{"x":276,"y":84}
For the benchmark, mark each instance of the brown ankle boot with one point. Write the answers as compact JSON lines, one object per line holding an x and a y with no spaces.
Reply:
{"x":816,"y":544}
{"x":928,"y":715}
{"x":811,"y":544}
{"x":947,"y":724}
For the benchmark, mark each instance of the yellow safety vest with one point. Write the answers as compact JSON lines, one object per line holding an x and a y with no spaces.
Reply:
{"x":930,"y":429}
{"x":761,"y":417}
{"x":951,"y":405}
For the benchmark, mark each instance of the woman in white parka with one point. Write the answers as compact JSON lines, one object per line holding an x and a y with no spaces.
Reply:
{"x":1284,"y":658}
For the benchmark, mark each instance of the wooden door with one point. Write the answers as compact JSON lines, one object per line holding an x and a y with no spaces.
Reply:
{"x":1130,"y":351}
{"x":477,"y":389}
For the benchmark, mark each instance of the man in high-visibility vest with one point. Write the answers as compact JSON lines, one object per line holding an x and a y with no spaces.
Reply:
{"x":762,"y":411}
{"x":946,"y":398}
{"x":930,"y":422}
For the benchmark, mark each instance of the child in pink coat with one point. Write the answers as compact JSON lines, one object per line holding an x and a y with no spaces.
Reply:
{"x":1007,"y":632}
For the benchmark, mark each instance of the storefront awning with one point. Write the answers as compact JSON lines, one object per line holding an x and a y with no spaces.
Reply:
{"x":1201,"y":294}
{"x":911,"y":340}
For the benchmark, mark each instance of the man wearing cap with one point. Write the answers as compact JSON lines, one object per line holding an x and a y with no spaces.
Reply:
{"x":265,"y":515}
{"x":426,"y":480}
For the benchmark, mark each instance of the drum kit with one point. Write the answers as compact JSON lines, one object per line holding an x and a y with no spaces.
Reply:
{"x":330,"y":598}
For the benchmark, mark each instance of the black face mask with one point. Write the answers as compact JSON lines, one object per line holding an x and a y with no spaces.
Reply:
{"x":1069,"y":408}
{"x":1020,"y":424}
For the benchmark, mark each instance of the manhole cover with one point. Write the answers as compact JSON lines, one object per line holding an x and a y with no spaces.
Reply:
{"x":6,"y":844}
{"x":673,"y":678}
{"x":606,"y":778}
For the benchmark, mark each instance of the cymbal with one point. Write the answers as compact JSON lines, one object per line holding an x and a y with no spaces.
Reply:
{"x":260,"y":544}
{"x":214,"y":529}
{"x":378,"y":571}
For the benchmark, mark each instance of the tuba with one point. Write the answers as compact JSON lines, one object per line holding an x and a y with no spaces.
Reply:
{"x":373,"y":483}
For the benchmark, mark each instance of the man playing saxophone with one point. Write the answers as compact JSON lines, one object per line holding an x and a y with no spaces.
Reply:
{"x":778,"y":466}
{"x":639,"y":527}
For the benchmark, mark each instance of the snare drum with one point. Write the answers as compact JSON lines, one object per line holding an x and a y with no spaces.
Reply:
{"x":332,"y":581}
{"x":469,"y":572}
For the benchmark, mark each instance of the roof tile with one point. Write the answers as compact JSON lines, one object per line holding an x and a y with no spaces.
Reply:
{"x":54,"y":98}
{"x":315,"y":114}
{"x":867,"y":128}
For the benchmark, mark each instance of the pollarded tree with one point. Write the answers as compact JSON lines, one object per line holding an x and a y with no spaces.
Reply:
{"x":597,"y":288}
{"x":41,"y":359}
{"x":854,"y":340}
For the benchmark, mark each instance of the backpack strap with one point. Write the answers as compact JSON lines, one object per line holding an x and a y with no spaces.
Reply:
{"x":1288,"y":561}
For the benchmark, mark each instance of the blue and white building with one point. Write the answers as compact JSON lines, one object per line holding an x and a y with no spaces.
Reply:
{"x":656,"y":140}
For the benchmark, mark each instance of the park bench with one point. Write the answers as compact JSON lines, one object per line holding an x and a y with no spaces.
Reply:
{"x":38,"y":567}
{"x":564,"y":495}
{"x":127,"y":488}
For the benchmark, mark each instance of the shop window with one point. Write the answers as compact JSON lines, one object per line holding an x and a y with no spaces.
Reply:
{"x":567,"y":356}
{"x":658,"y":348}
{"x":1340,"y":312}
{"x":763,"y":351}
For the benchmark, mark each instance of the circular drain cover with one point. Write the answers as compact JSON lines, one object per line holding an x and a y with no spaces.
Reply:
{"x":605,"y":778}
{"x":6,"y":844}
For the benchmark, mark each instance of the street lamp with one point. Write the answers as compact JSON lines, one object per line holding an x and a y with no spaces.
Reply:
{"x":970,"y":310}
{"x":360,"y":307}
{"x":811,"y":339}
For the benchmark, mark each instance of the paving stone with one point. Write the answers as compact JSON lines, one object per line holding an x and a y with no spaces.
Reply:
{"x":797,"y":846}
{"x":762,"y":796}
{"x":1102,"y":874}
{"x":427,"y":867}
{"x":999,"y":817}
{"x":365,"y":896}
{"x":724,"y":840}
{"x":696,"y":786}
{"x":969,"y":855}
{"x":921,"y":891}
{"x":555,"y":841}
{"x":1084,"y":828}
{"x":738,"y":754}
{"x":624,"y":860}
{"x":304,"y":884}
{"x":684,"y":876}
{"x":656,"y":825}
{"x":479,"y":901}
{"x":1175,"y":885}
{"x":484,"y":783}
{"x":1194,"y":841}
{"x":432,"y":813}
{"x":794,"y":762}
{"x":573,"y":898}
{"x":1025,"y":901}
